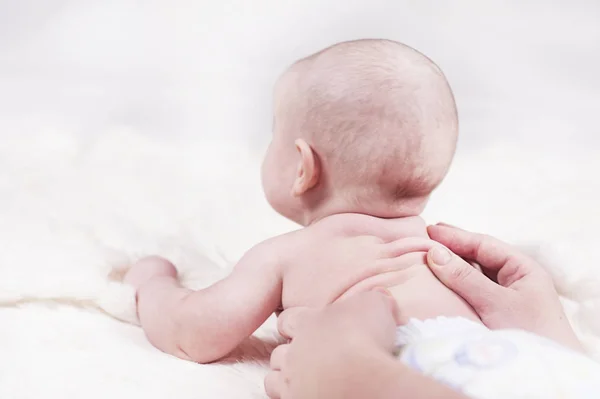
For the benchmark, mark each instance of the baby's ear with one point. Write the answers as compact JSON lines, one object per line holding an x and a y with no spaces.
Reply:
{"x":308,"y":171}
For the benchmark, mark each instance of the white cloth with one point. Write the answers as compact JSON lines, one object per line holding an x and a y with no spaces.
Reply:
{"x":490,"y":364}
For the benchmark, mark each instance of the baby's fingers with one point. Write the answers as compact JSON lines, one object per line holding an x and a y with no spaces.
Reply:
{"x":278,"y":357}
{"x":274,"y":384}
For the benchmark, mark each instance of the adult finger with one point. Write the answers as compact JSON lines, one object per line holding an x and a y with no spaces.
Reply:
{"x":274,"y":384}
{"x":408,"y":245}
{"x":448,"y":225}
{"x":373,"y":314}
{"x":491,"y":253}
{"x":376,"y":303}
{"x":278,"y":357}
{"x":475,"y":288}
{"x":289,"y":320}
{"x":391,"y":302}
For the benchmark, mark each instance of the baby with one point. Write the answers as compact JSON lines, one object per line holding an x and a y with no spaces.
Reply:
{"x":364,"y":131}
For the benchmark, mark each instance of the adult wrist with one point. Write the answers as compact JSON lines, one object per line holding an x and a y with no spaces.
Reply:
{"x":377,"y":374}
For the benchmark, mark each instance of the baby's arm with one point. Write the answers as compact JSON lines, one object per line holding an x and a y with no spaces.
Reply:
{"x":208,"y":324}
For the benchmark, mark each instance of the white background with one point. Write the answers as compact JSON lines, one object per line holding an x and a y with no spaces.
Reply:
{"x":520,"y":69}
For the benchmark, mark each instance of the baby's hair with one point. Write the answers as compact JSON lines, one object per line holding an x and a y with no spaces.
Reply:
{"x":380,"y":115}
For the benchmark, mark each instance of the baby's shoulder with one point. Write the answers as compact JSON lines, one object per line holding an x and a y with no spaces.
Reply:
{"x":275,"y":250}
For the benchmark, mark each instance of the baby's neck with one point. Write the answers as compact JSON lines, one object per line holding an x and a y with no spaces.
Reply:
{"x":376,"y":208}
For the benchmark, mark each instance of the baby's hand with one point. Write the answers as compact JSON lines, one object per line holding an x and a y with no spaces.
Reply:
{"x":148,"y":268}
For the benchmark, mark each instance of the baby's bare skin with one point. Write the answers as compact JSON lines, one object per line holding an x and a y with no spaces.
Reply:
{"x":363,"y":132}
{"x":337,"y":256}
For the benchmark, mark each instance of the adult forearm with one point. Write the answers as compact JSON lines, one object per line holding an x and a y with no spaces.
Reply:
{"x":372,"y":374}
{"x":400,"y":381}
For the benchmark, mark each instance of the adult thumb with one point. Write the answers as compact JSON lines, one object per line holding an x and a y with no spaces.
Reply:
{"x":473,"y":286}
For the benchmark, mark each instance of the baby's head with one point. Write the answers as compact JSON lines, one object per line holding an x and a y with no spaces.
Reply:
{"x":367,"y":126}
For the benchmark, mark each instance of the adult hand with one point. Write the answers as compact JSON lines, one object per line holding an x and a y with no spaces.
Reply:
{"x":344,"y":350}
{"x":323,"y":338}
{"x":518,"y":292}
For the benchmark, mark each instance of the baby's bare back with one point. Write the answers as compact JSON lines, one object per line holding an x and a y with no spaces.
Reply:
{"x":345,"y":254}
{"x":336,"y":257}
